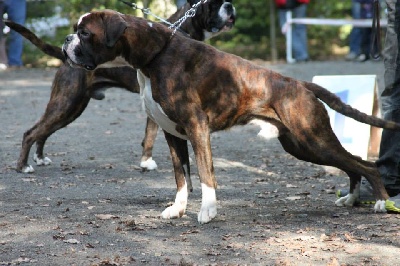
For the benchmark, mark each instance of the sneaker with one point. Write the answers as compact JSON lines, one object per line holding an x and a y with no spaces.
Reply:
{"x":350,"y":56}
{"x":3,"y":66}
{"x":366,"y":193}
{"x":392,"y":204}
{"x":362,"y":58}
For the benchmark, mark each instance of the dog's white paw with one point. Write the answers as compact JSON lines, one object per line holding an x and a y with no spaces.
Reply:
{"x":208,"y":206}
{"x":206,"y":214}
{"x":28,"y":169}
{"x":380,"y":206}
{"x":149,"y":164}
{"x":347,"y":200}
{"x":177,"y":209}
{"x":41,"y":161}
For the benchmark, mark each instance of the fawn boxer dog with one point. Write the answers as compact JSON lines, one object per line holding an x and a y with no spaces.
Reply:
{"x":192,"y":89}
{"x":73,"y":88}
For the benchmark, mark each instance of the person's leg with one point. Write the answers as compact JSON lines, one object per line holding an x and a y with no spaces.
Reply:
{"x":16,"y":10}
{"x":389,"y":155}
{"x":355,"y":34}
{"x":180,"y":3}
{"x":282,"y":18}
{"x":299,"y":44}
{"x":3,"y":54}
{"x":365,"y":45}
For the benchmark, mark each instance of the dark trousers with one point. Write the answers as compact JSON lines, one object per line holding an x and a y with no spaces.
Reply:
{"x":389,"y":155}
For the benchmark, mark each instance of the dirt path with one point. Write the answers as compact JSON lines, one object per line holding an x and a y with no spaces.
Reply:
{"x":93,"y":205}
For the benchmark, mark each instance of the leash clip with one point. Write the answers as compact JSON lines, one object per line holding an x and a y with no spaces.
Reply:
{"x":188,"y":14}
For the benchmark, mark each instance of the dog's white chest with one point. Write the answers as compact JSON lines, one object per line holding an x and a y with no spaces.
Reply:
{"x":153,"y":109}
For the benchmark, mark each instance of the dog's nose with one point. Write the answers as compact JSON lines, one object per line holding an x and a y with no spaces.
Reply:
{"x":69,"y":38}
{"x":229,"y":7}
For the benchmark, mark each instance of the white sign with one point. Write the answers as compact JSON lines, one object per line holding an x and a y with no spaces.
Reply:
{"x":358,"y":92}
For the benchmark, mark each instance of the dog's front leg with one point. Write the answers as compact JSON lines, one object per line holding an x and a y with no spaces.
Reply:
{"x":199,"y":134}
{"x":180,"y":157}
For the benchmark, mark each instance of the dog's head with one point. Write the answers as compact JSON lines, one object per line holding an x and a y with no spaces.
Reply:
{"x":94,"y":39}
{"x":212,"y":18}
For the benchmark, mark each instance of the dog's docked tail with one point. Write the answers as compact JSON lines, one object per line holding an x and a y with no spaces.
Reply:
{"x":339,"y":106}
{"x":48,"y":49}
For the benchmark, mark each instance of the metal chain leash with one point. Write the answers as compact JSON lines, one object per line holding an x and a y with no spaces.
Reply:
{"x":188,"y":14}
{"x":147,"y":11}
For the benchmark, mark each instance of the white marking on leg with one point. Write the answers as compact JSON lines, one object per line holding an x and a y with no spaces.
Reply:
{"x":208,"y":204}
{"x":350,"y":198}
{"x":179,"y":207}
{"x":28,"y":169}
{"x":347,"y":200}
{"x":380,"y":206}
{"x":149,"y":164}
{"x":41,"y":161}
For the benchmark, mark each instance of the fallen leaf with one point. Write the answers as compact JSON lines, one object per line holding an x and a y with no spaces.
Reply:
{"x":71,"y":241}
{"x":106,"y":216}
{"x":294,"y":198}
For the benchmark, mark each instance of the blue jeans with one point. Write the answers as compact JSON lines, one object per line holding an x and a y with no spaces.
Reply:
{"x":299,"y":32}
{"x":16,"y":11}
{"x":389,"y":154}
{"x":355,"y":34}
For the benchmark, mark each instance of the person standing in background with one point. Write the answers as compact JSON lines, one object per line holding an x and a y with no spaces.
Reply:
{"x":388,"y":162}
{"x":3,"y":54}
{"x":299,"y":32}
{"x":355,"y":34}
{"x":180,"y":3}
{"x":16,"y":11}
{"x":365,"y":44}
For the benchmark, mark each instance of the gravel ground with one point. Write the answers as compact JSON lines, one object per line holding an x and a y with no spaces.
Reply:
{"x":94,"y":206}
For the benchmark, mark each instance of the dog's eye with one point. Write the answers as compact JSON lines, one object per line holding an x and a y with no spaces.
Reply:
{"x":84,"y":33}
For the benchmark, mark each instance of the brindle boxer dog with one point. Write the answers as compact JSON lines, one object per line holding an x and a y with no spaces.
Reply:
{"x":191,"y":90}
{"x":73,"y":88}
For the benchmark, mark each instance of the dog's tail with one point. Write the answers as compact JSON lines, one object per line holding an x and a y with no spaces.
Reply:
{"x":48,"y":49}
{"x":339,"y":106}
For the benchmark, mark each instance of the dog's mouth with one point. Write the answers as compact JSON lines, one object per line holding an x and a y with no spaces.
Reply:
{"x":76,"y":65}
{"x":227,"y":26}
{"x":229,"y":22}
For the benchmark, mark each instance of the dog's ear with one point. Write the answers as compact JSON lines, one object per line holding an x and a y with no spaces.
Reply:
{"x":114,"y":27}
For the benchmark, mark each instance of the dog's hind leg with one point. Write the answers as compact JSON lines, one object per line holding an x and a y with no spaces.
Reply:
{"x":325,"y":149}
{"x":146,"y":161}
{"x":50,"y":122}
{"x":180,"y":157}
{"x":354,"y":192}
{"x":67,"y":102}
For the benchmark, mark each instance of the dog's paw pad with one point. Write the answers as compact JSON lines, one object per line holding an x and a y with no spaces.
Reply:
{"x":173,"y":212}
{"x":28,"y":169}
{"x":149,"y":164}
